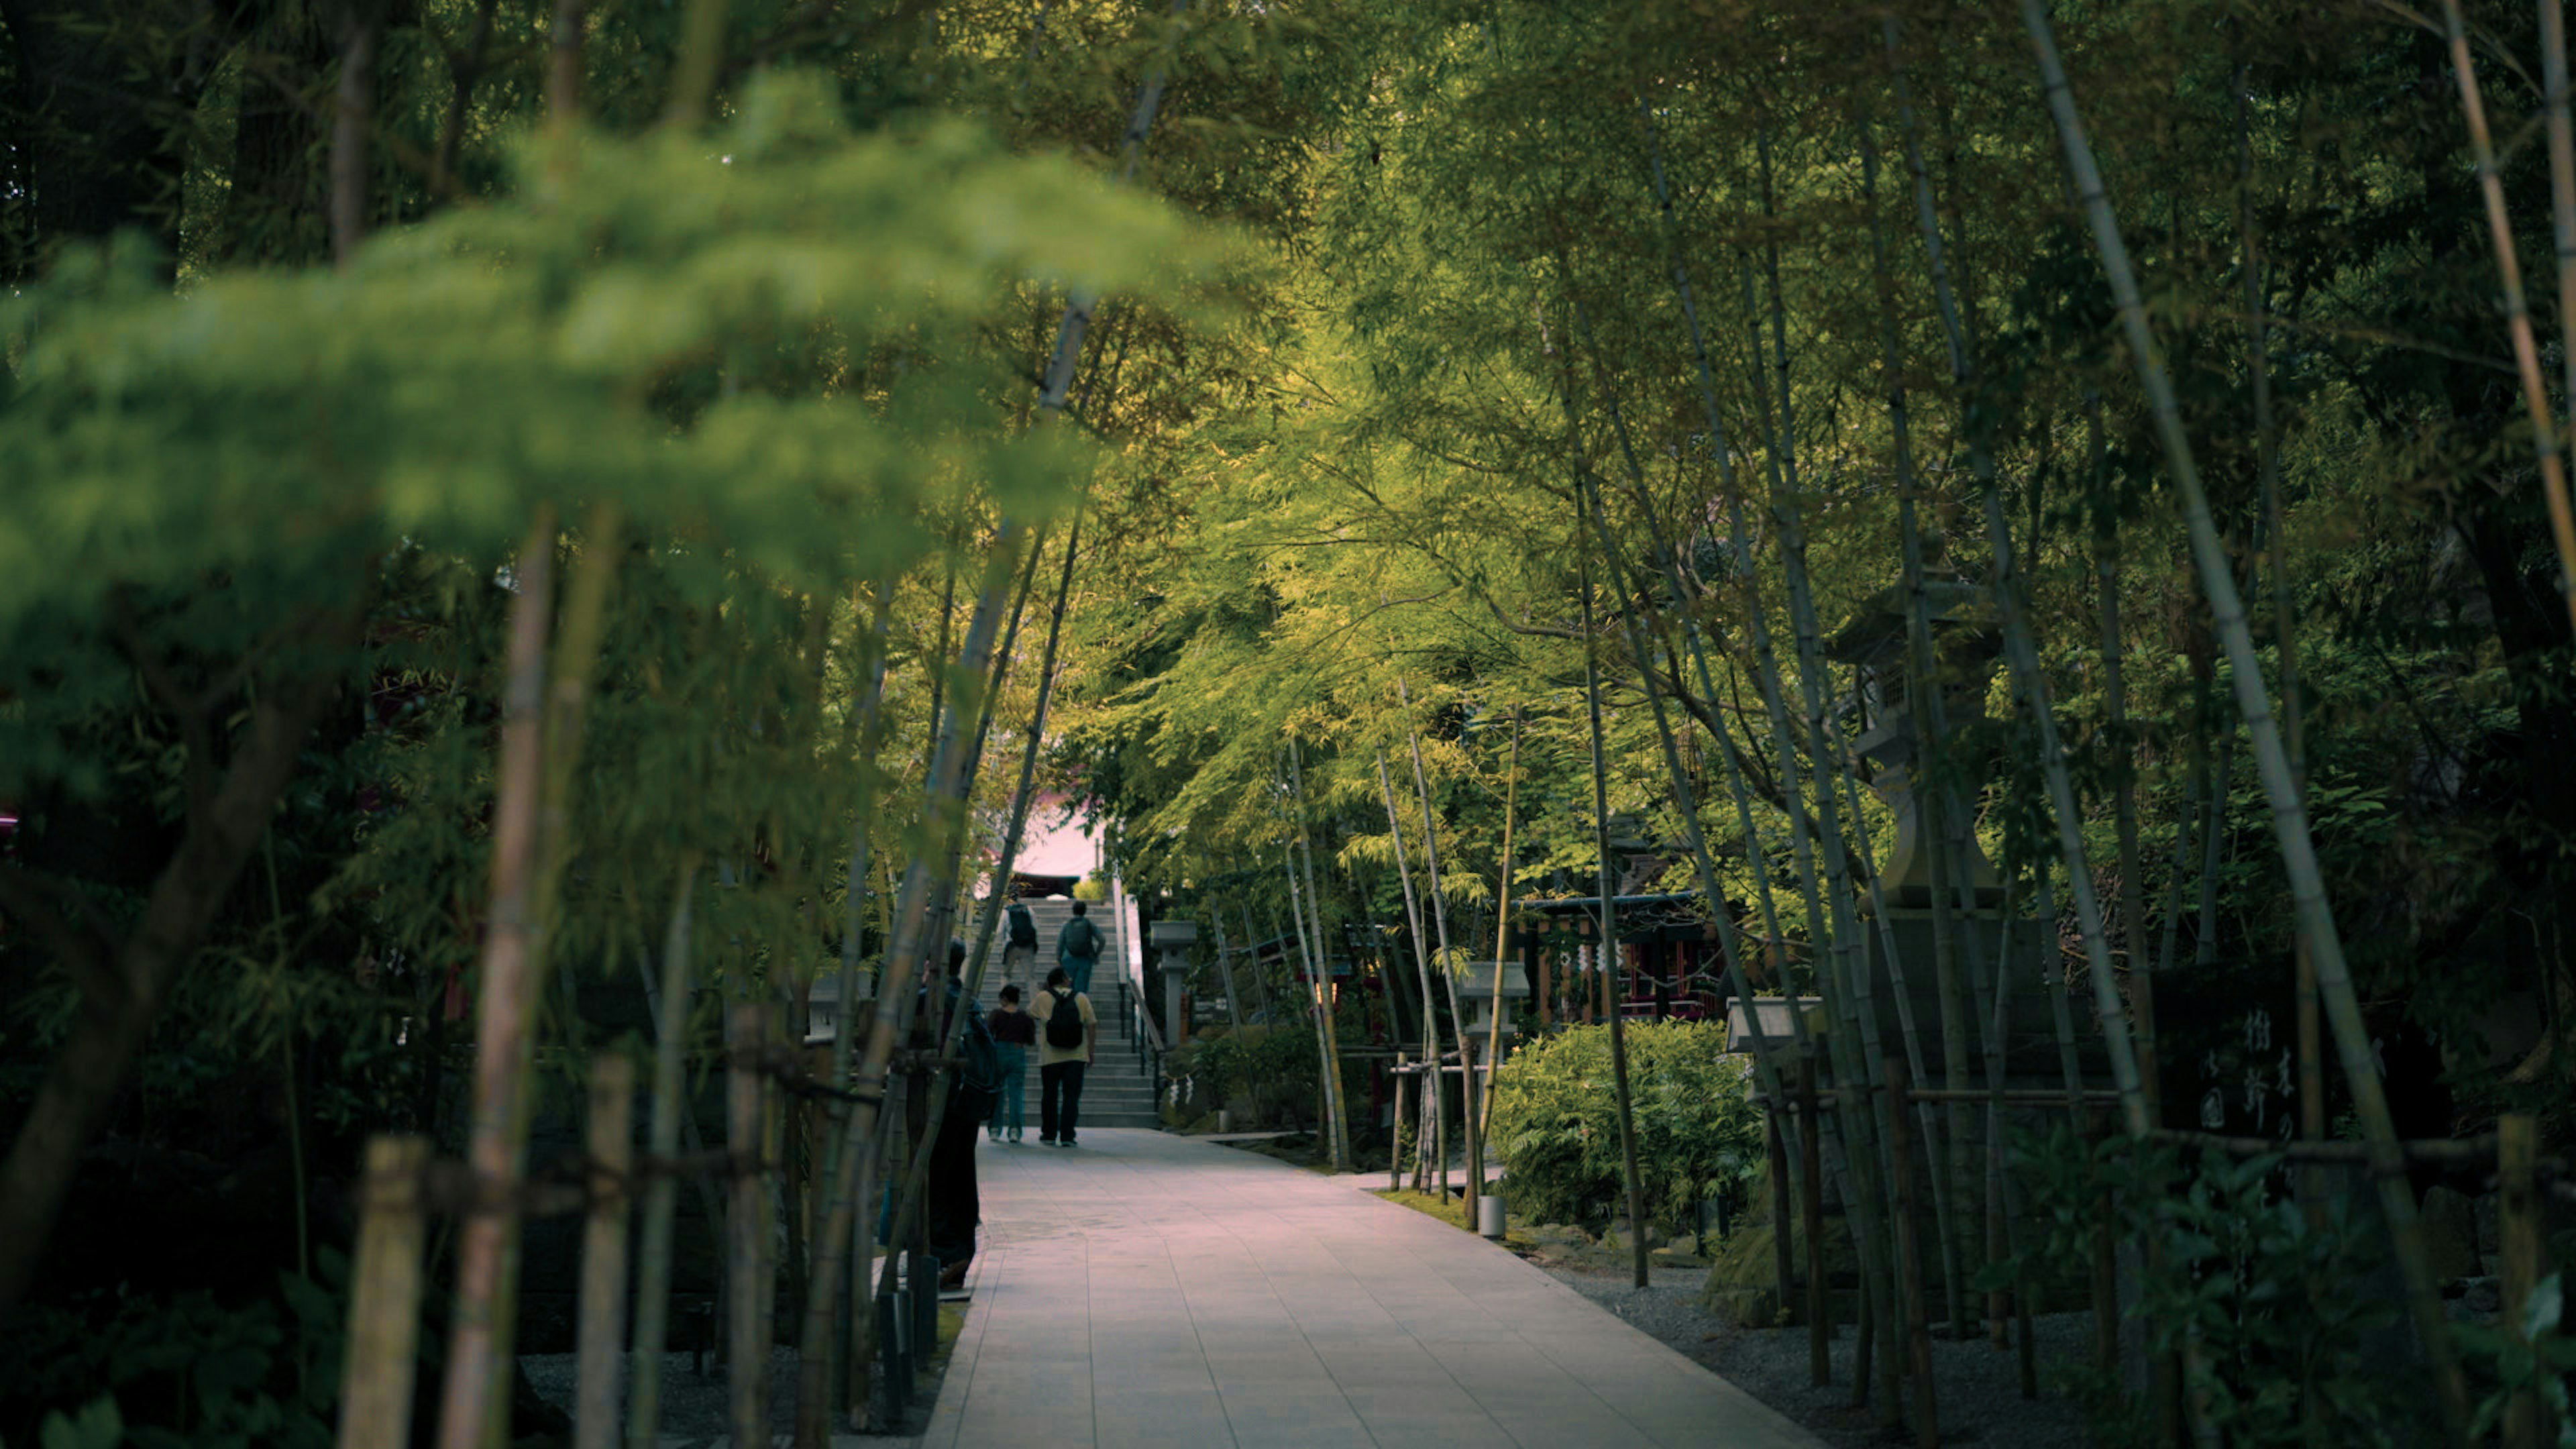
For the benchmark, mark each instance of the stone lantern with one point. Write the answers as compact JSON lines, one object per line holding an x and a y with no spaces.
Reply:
{"x":1171,"y":940}
{"x":1965,"y":643}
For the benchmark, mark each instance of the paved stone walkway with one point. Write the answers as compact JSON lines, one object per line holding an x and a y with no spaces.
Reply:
{"x":1148,"y":1290}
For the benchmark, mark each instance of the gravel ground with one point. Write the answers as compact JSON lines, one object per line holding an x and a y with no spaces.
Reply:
{"x":690,"y":1405}
{"x":1978,"y":1390}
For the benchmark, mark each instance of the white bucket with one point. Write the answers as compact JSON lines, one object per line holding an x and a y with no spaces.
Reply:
{"x":1489,"y":1216}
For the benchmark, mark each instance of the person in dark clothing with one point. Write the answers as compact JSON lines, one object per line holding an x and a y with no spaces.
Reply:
{"x":1014,"y":1031}
{"x":951,"y":1202}
{"x":1077,"y":948}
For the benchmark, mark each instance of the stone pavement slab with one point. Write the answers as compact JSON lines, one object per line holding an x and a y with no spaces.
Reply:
{"x":1152,"y":1290}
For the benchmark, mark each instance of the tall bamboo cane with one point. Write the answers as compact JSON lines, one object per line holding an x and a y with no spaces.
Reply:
{"x":1853,"y":1131}
{"x":1947,"y":1149}
{"x":941,"y":801}
{"x":1588,"y":488}
{"x":1766,"y":1069}
{"x":661,"y":1198}
{"x":2517,"y":317}
{"x":2289,"y":814}
{"x":1483,"y":1107}
{"x":943,"y":895}
{"x":1457,"y":1018}
{"x":1610,"y":963}
{"x":474,"y":1407}
{"x":1338,"y":1140}
{"x":1324,"y":1063}
{"x":1859,"y":1009}
{"x":1438,"y":1137}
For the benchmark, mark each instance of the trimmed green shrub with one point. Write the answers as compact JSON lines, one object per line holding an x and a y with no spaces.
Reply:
{"x":1556,"y":1122}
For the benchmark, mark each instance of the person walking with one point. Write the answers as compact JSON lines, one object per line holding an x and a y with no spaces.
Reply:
{"x":1014,"y":1031}
{"x":952,"y":1201}
{"x":1065,"y":1050}
{"x":1077,"y":948}
{"x":1019,"y":944}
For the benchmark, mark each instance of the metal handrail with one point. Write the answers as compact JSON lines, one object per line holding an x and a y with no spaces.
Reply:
{"x":1144,"y":1037}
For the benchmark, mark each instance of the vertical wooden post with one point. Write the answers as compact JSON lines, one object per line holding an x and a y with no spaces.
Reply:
{"x":2526,"y":1418}
{"x":384,"y":1308}
{"x":2106,"y":1278}
{"x":603,"y":1253}
{"x":1395,"y":1136}
{"x":1864,"y":1346}
{"x":1909,"y":1266}
{"x":746,"y":1126}
{"x":1546,"y":988}
{"x":1783,"y":1264}
{"x":1811,"y":1224}
{"x":661,"y":1201}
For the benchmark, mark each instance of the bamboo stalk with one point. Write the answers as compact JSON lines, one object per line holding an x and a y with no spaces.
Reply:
{"x":1610,"y":931}
{"x":384,"y":1304}
{"x":1784,"y":1274}
{"x":1918,"y":1329}
{"x":1842,"y":938}
{"x":1434,"y":1140}
{"x":910,"y":1211}
{"x":1225,"y":968}
{"x":2003,"y":1232}
{"x":1811,"y":1214}
{"x":1057,"y":379}
{"x":474,"y":1406}
{"x":1483,"y":1105}
{"x":1588,"y":498}
{"x":1314,"y":968}
{"x":2520,"y":1226}
{"x":1947,"y":1151}
{"x":661,"y":1199}
{"x":2285,"y":643}
{"x":602,"y":1346}
{"x":2124,"y":790}
{"x":1260,"y":978}
{"x":1457,"y":1019}
{"x":1338,"y":1138}
{"x":2334,"y":982}
{"x":1856,"y":1141}
{"x":746,"y":1113}
{"x":1957,"y":1099}
{"x":2517,"y":316}
{"x":2185,"y":824}
{"x":943,"y":803}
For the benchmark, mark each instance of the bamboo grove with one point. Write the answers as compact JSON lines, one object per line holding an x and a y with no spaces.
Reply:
{"x":510,"y":503}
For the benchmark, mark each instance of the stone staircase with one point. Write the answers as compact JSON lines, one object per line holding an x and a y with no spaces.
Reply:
{"x":1116,"y":1092}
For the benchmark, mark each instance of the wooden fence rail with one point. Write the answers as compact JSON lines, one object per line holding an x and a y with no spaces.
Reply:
{"x":405,"y":1186}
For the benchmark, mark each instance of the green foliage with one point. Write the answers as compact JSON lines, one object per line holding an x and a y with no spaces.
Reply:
{"x":2261,"y":1306}
{"x":2533,"y":1357}
{"x":1556,"y":1122}
{"x":185,"y":1373}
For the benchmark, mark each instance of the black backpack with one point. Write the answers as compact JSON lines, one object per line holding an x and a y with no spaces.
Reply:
{"x":1090,"y":947}
{"x":1064,"y":1022}
{"x":1024,"y":927}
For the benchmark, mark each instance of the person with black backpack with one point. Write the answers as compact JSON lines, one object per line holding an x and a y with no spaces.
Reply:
{"x":1077,"y":948}
{"x":1066,"y":1046}
{"x":1019,"y":944}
